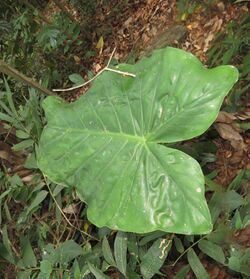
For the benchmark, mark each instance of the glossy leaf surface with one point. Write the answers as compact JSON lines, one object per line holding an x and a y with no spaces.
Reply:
{"x":152,"y":261}
{"x":109,"y":143}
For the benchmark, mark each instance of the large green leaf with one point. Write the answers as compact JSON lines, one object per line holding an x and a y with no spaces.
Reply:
{"x":109,"y":143}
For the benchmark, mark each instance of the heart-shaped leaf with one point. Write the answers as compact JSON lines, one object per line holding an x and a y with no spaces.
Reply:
{"x":108,"y":144}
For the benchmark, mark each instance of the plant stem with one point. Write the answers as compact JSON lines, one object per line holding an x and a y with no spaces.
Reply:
{"x":8,"y":70}
{"x":106,"y":68}
{"x":191,"y":246}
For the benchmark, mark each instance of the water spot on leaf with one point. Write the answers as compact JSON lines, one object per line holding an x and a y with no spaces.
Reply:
{"x":171,"y":159}
{"x":160,"y":112}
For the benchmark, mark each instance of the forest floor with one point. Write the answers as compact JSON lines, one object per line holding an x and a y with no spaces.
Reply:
{"x":136,"y":28}
{"x":139,"y":27}
{"x":142,"y":24}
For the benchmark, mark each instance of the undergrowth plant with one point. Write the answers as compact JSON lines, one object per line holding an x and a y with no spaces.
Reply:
{"x":111,"y":144}
{"x":43,"y":245}
{"x":38,"y":46}
{"x":186,"y":8}
{"x":232,"y":46}
{"x":44,"y":227}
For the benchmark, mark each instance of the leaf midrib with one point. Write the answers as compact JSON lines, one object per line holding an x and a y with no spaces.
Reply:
{"x":119,"y":135}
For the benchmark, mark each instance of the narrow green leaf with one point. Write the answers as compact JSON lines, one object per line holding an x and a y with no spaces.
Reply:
{"x":31,"y":162}
{"x":155,"y":257}
{"x":7,"y":110}
{"x":6,"y":241}
{"x":97,"y":272}
{"x":245,"y":260}
{"x":10,"y":99}
{"x":246,"y":65}
{"x":240,"y":260}
{"x":76,"y":78}
{"x":28,"y":256}
{"x":7,"y":118}
{"x":234,"y":263}
{"x":215,"y":205}
{"x":24,"y":274}
{"x":120,"y":251}
{"x":133,"y":244}
{"x":7,"y":212}
{"x":23,"y":144}
{"x":231,"y":200}
{"x":133,"y":275}
{"x":238,"y":224}
{"x":150,"y":237}
{"x":4,"y":194}
{"x":227,"y":201}
{"x":4,"y":253}
{"x":178,"y":244}
{"x":213,"y":186}
{"x":196,"y":265}
{"x":41,"y":195}
{"x":188,"y":239}
{"x":223,"y":234}
{"x":212,"y":250}
{"x":66,"y":252}
{"x":227,"y":56}
{"x":105,"y":266}
{"x":22,"y":134}
{"x":246,"y":221}
{"x":46,"y":267}
{"x":244,"y":126}
{"x":133,"y":251}
{"x":236,"y":183}
{"x":75,"y":270}
{"x":57,"y":190}
{"x":182,"y":273}
{"x":142,"y":250}
{"x":107,"y":252}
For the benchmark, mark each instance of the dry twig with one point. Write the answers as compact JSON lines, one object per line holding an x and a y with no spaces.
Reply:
{"x":106,"y":68}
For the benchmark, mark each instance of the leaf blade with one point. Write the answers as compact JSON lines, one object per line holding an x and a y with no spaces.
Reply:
{"x":196,"y":265}
{"x":155,"y":257}
{"x":212,"y":250}
{"x":120,"y":125}
{"x":107,"y":252}
{"x":120,"y":251}
{"x":97,"y":272}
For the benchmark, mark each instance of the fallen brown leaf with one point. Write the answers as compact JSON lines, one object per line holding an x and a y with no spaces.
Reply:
{"x":70,"y":209}
{"x":225,"y":117}
{"x":228,"y":132}
{"x":208,"y":39}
